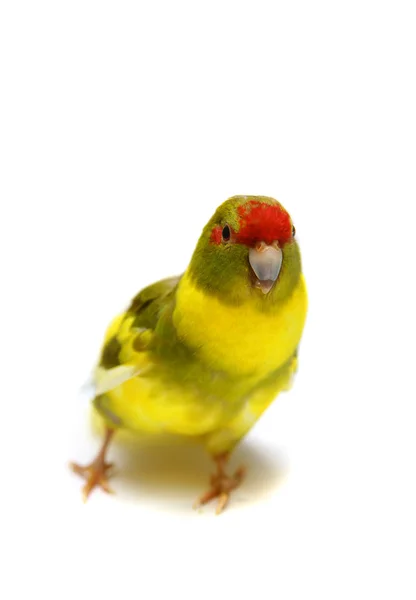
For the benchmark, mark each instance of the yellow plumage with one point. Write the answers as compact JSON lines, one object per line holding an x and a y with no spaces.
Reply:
{"x":241,"y":340}
{"x":256,"y":344}
{"x":203,"y":355}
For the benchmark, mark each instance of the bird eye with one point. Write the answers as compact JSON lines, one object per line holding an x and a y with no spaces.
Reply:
{"x":293,"y":231}
{"x":226,"y":234}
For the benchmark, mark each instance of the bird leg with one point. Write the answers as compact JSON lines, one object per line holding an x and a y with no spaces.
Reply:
{"x":95,"y":473}
{"x":221,"y":484}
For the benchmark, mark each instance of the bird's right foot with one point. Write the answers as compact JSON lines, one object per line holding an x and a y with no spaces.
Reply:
{"x":96,"y":473}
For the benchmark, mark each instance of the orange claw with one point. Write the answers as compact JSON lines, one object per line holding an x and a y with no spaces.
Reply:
{"x":95,"y":473}
{"x":221,"y":484}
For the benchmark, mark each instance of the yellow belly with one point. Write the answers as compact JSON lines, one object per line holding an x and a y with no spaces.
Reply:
{"x":241,"y":340}
{"x":236,"y":348}
{"x":152,"y":405}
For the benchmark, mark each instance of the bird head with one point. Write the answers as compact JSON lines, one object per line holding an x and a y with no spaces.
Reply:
{"x":248,"y":250}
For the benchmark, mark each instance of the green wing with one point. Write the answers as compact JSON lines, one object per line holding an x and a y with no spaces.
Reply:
{"x":146,"y":305}
{"x":129,"y":335}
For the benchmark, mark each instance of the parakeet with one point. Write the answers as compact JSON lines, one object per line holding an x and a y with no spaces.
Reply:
{"x":204,"y":354}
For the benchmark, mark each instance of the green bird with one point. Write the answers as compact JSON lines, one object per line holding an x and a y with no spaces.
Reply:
{"x":204,"y":354}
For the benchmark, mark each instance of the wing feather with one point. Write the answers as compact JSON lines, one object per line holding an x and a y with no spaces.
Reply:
{"x":123,"y":355}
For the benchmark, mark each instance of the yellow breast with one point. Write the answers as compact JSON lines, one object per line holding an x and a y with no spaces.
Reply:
{"x":241,"y":340}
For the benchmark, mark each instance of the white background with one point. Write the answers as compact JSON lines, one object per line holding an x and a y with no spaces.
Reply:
{"x":123,"y":126}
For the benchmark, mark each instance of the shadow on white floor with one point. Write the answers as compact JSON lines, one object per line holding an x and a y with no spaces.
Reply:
{"x":176,"y":475}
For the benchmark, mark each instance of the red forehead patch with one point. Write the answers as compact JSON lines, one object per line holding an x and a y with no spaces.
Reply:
{"x":261,"y":222}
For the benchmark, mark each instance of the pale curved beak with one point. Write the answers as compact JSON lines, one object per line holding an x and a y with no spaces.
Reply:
{"x":266,"y":262}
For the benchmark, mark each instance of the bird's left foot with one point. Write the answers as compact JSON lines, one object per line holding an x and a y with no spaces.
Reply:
{"x":221,"y":484}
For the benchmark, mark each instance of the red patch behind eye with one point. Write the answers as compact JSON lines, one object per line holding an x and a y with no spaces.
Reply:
{"x":216,"y":235}
{"x":260,"y":222}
